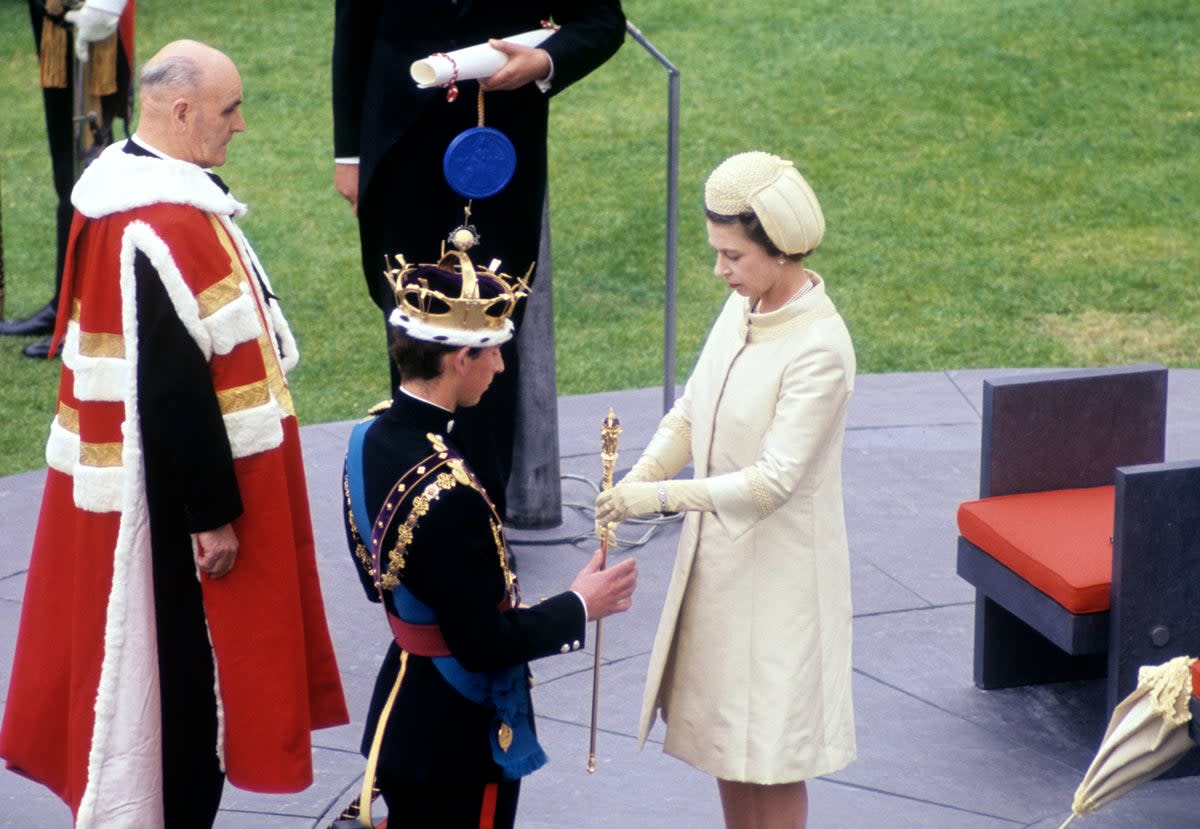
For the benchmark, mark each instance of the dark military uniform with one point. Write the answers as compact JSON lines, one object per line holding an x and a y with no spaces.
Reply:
{"x":437,"y":754}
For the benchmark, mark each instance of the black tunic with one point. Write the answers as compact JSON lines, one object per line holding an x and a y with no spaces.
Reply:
{"x":453,"y":565}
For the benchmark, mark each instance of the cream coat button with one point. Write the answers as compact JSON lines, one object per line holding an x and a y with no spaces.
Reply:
{"x":565,"y":649}
{"x":575,"y":645}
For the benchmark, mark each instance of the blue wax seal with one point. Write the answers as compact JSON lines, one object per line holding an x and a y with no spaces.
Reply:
{"x":479,"y":162}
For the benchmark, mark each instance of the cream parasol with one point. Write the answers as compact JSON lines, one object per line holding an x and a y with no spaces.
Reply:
{"x":1146,"y":735}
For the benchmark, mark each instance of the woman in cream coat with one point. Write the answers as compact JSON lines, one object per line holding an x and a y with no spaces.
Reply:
{"x":751,"y":663}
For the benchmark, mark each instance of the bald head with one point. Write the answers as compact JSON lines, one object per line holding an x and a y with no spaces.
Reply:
{"x":191,"y":96}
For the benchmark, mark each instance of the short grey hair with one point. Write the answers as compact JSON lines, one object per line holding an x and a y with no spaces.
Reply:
{"x":178,"y":73}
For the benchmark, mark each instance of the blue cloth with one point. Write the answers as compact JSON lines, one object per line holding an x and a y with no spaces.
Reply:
{"x":358,"y":483}
{"x":506,"y":691}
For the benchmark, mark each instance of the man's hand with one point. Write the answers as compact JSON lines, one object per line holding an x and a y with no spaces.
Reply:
{"x":606,"y":591}
{"x":94,"y":21}
{"x":216,"y":550}
{"x":345,"y":179}
{"x":525,"y":64}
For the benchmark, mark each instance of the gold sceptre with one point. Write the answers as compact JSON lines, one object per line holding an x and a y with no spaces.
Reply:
{"x":610,"y":433}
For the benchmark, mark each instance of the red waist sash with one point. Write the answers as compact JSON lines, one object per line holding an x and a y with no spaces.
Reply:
{"x":425,"y":640}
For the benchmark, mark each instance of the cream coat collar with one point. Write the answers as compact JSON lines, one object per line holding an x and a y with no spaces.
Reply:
{"x":813,"y":305}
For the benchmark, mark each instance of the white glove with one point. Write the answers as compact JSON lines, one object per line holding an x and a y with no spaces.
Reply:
{"x":669,"y":450}
{"x":94,"y":20}
{"x":626,"y":500}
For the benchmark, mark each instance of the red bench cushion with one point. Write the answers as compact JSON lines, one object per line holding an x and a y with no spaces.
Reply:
{"x":1058,"y":541}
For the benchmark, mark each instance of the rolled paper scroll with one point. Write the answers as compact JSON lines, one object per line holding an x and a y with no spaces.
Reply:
{"x":477,"y":61}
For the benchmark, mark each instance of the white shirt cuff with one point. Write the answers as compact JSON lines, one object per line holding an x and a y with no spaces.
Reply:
{"x":545,"y":84}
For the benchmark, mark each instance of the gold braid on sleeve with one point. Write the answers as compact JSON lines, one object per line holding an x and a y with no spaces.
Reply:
{"x":762,"y":494}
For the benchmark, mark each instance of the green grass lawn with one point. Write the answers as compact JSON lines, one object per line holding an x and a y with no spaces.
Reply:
{"x":1005,"y":184}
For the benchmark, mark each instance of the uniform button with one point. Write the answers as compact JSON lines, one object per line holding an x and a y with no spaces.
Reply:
{"x":565,"y":649}
{"x":575,"y":645}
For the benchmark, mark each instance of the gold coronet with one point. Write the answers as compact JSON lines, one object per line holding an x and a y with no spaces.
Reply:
{"x":468,"y":312}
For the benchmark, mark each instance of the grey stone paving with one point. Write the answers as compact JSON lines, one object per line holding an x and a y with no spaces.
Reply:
{"x":933,"y":750}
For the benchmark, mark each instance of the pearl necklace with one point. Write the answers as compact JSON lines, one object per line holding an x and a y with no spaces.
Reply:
{"x":804,"y":289}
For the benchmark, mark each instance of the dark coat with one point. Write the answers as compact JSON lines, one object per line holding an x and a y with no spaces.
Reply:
{"x":375,"y":101}
{"x":400,"y":134}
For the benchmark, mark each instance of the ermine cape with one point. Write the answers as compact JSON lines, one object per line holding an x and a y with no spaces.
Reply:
{"x":82,"y":714}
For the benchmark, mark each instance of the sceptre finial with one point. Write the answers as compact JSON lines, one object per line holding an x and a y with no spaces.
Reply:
{"x":610,"y":433}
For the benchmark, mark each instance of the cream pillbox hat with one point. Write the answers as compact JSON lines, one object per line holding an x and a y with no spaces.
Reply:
{"x":775,"y":191}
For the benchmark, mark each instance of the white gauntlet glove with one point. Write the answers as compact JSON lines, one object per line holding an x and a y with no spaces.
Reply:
{"x":94,"y":20}
{"x":626,"y":500}
{"x":668,"y":451}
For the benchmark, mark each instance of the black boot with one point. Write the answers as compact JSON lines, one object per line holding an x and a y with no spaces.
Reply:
{"x":39,"y":324}
{"x":41,"y":349}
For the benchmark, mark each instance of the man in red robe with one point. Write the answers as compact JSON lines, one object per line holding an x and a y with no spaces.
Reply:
{"x":173,"y":632}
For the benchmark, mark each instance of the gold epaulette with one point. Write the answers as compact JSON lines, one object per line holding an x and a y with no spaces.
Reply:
{"x":379,"y":408}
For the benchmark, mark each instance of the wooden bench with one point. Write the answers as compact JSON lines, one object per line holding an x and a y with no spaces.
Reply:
{"x":1084,"y":548}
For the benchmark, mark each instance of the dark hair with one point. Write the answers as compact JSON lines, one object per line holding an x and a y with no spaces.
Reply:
{"x":754,"y":231}
{"x":178,"y":73}
{"x":420,"y":360}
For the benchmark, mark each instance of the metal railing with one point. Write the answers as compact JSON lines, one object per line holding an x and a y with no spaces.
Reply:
{"x":672,"y":240}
